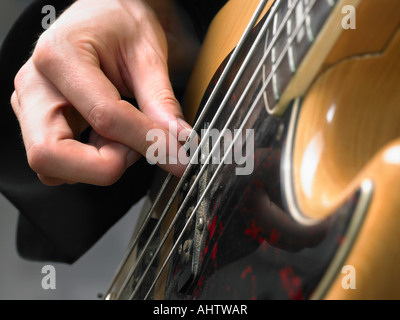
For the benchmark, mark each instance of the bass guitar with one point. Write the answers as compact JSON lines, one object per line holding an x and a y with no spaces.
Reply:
{"x":303,"y":200}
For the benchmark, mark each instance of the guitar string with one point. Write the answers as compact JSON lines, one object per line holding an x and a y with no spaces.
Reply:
{"x":259,"y":96}
{"x":169,"y":177}
{"x":272,"y":43}
{"x":176,"y":190}
{"x":200,"y":119}
{"x":175,"y":193}
{"x":132,"y":244}
{"x":266,"y":54}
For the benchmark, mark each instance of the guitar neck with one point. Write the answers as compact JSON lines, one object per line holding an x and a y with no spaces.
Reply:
{"x":295,"y":26}
{"x":299,"y":36}
{"x":304,"y":32}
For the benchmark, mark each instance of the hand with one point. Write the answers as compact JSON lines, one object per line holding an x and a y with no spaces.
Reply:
{"x":96,"y":51}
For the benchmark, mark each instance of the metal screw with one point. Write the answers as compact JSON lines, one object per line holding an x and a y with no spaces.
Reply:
{"x":149,"y":256}
{"x":200,"y":224}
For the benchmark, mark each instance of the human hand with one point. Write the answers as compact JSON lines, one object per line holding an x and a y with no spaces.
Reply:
{"x":96,"y":51}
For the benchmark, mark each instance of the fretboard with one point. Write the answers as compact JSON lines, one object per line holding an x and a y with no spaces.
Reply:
{"x":293,"y":29}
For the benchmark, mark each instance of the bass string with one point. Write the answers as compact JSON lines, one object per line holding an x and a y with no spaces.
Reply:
{"x":189,"y":193}
{"x":200,"y":119}
{"x":172,"y":224}
{"x":132,"y":244}
{"x":258,"y":98}
{"x":268,"y":80}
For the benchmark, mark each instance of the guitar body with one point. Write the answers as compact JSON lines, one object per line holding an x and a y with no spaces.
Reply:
{"x":318,"y":216}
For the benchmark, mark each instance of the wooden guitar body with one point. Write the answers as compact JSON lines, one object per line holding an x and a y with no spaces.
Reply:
{"x":319,"y":215}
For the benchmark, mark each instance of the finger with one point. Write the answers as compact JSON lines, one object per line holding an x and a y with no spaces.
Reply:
{"x":15,"y":103}
{"x":49,"y":140}
{"x":148,"y":70}
{"x":87,"y":88}
{"x":105,"y":145}
{"x":100,"y":165}
{"x":53,"y":182}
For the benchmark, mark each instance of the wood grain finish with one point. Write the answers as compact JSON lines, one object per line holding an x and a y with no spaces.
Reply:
{"x":350,"y":113}
{"x":376,"y":22}
{"x":348,"y":131}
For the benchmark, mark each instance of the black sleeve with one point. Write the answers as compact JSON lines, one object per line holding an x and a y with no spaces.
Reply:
{"x":61,"y":223}
{"x":55,"y":223}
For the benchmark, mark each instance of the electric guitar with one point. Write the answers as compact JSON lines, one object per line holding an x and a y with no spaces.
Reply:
{"x":309,"y":92}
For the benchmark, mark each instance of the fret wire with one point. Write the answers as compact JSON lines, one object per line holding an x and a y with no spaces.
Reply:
{"x":294,"y":34}
{"x":258,"y":98}
{"x":223,"y":77}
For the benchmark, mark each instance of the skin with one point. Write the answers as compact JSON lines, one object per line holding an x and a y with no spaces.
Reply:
{"x":94,"y":53}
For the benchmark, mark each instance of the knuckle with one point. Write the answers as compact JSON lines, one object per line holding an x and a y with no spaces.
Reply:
{"x":111,"y":174}
{"x":165,"y":96}
{"x":14,"y":103}
{"x":167,"y":100}
{"x":20,"y":78}
{"x":38,"y":157}
{"x":45,"y":53}
{"x":49,"y":181}
{"x":100,"y":118}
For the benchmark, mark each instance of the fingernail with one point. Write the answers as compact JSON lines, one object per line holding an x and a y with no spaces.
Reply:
{"x":184,"y":124}
{"x":186,"y":131}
